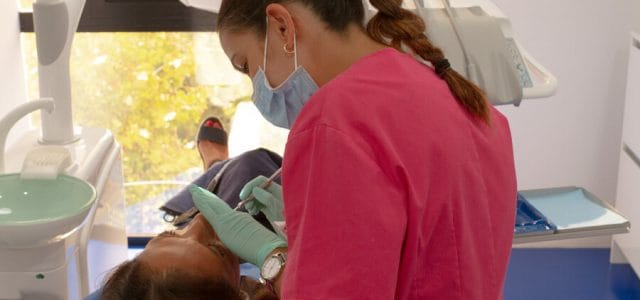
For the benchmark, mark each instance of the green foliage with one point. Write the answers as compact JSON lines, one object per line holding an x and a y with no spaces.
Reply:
{"x":136,"y":94}
{"x":142,"y":87}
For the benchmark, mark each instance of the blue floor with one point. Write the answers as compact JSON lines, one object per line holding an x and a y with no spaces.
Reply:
{"x":567,"y":274}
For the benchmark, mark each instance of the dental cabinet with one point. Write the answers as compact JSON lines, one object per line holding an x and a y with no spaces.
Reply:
{"x":573,"y":212}
{"x":628,"y":193}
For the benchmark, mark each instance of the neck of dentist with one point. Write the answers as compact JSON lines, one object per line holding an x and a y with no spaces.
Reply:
{"x":333,"y":53}
{"x":330,"y":53}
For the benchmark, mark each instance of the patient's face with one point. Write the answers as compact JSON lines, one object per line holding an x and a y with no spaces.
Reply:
{"x":195,"y":249}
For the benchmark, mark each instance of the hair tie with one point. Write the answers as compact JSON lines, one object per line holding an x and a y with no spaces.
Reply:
{"x":442,"y":66}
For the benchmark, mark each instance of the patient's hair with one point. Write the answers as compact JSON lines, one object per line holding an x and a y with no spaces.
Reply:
{"x":136,"y":280}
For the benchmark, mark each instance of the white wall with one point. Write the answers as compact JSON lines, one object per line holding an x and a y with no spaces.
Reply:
{"x":572,"y":138}
{"x":635,"y":11}
{"x":12,"y":86}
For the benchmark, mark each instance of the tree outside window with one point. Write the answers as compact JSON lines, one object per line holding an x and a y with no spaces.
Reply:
{"x":151,"y":90}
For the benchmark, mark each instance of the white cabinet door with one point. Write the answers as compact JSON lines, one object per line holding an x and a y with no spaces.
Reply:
{"x":628,"y":197}
{"x":631,"y":130}
{"x":628,"y":203}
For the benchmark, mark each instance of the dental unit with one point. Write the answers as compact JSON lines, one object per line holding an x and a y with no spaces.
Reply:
{"x":62,"y":213}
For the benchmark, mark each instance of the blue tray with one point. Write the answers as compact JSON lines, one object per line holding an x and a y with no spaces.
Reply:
{"x":530,"y":221}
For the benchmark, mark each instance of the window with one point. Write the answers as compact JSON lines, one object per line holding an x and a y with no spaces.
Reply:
{"x":150,"y":71}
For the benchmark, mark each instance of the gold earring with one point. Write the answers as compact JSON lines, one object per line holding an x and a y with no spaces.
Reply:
{"x":287,"y":51}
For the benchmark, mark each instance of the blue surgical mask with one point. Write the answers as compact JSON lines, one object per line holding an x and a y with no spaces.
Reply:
{"x":281,"y":105}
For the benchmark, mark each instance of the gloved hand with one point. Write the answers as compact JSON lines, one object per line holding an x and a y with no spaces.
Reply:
{"x":243,"y":235}
{"x":268,"y":201}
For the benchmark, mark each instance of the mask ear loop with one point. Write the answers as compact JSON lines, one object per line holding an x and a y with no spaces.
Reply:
{"x":295,"y":51}
{"x":266,"y":38}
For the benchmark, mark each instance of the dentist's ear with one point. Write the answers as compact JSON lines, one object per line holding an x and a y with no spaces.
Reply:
{"x":280,"y":18}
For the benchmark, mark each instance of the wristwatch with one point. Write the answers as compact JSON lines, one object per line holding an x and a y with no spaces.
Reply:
{"x":272,"y":267}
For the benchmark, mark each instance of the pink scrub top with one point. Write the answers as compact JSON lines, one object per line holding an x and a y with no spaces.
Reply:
{"x":393,"y":191}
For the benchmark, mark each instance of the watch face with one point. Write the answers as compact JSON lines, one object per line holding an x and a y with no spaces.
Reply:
{"x":271,"y":268}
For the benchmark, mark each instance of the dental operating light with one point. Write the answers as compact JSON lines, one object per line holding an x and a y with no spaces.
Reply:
{"x":478,"y":40}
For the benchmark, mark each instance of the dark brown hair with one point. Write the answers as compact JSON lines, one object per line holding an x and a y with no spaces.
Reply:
{"x":392,"y":26}
{"x":136,"y":280}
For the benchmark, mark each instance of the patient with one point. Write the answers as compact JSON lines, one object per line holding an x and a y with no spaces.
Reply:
{"x":192,"y":263}
{"x":189,"y":263}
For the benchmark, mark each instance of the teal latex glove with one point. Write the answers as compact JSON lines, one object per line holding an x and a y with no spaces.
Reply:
{"x":243,"y":235}
{"x":268,"y":201}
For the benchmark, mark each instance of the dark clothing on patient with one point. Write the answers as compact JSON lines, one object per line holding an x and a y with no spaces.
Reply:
{"x":240,"y":171}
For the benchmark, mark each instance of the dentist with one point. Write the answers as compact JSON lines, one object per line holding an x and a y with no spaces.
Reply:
{"x":398,"y":179}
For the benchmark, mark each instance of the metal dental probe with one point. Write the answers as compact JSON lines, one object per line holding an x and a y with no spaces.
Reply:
{"x":264,"y":185}
{"x":191,"y":213}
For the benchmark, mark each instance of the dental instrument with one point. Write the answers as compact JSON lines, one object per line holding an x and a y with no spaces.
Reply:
{"x":185,"y":217}
{"x":264,"y":185}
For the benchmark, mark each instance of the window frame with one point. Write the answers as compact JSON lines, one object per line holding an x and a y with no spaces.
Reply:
{"x":137,"y":16}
